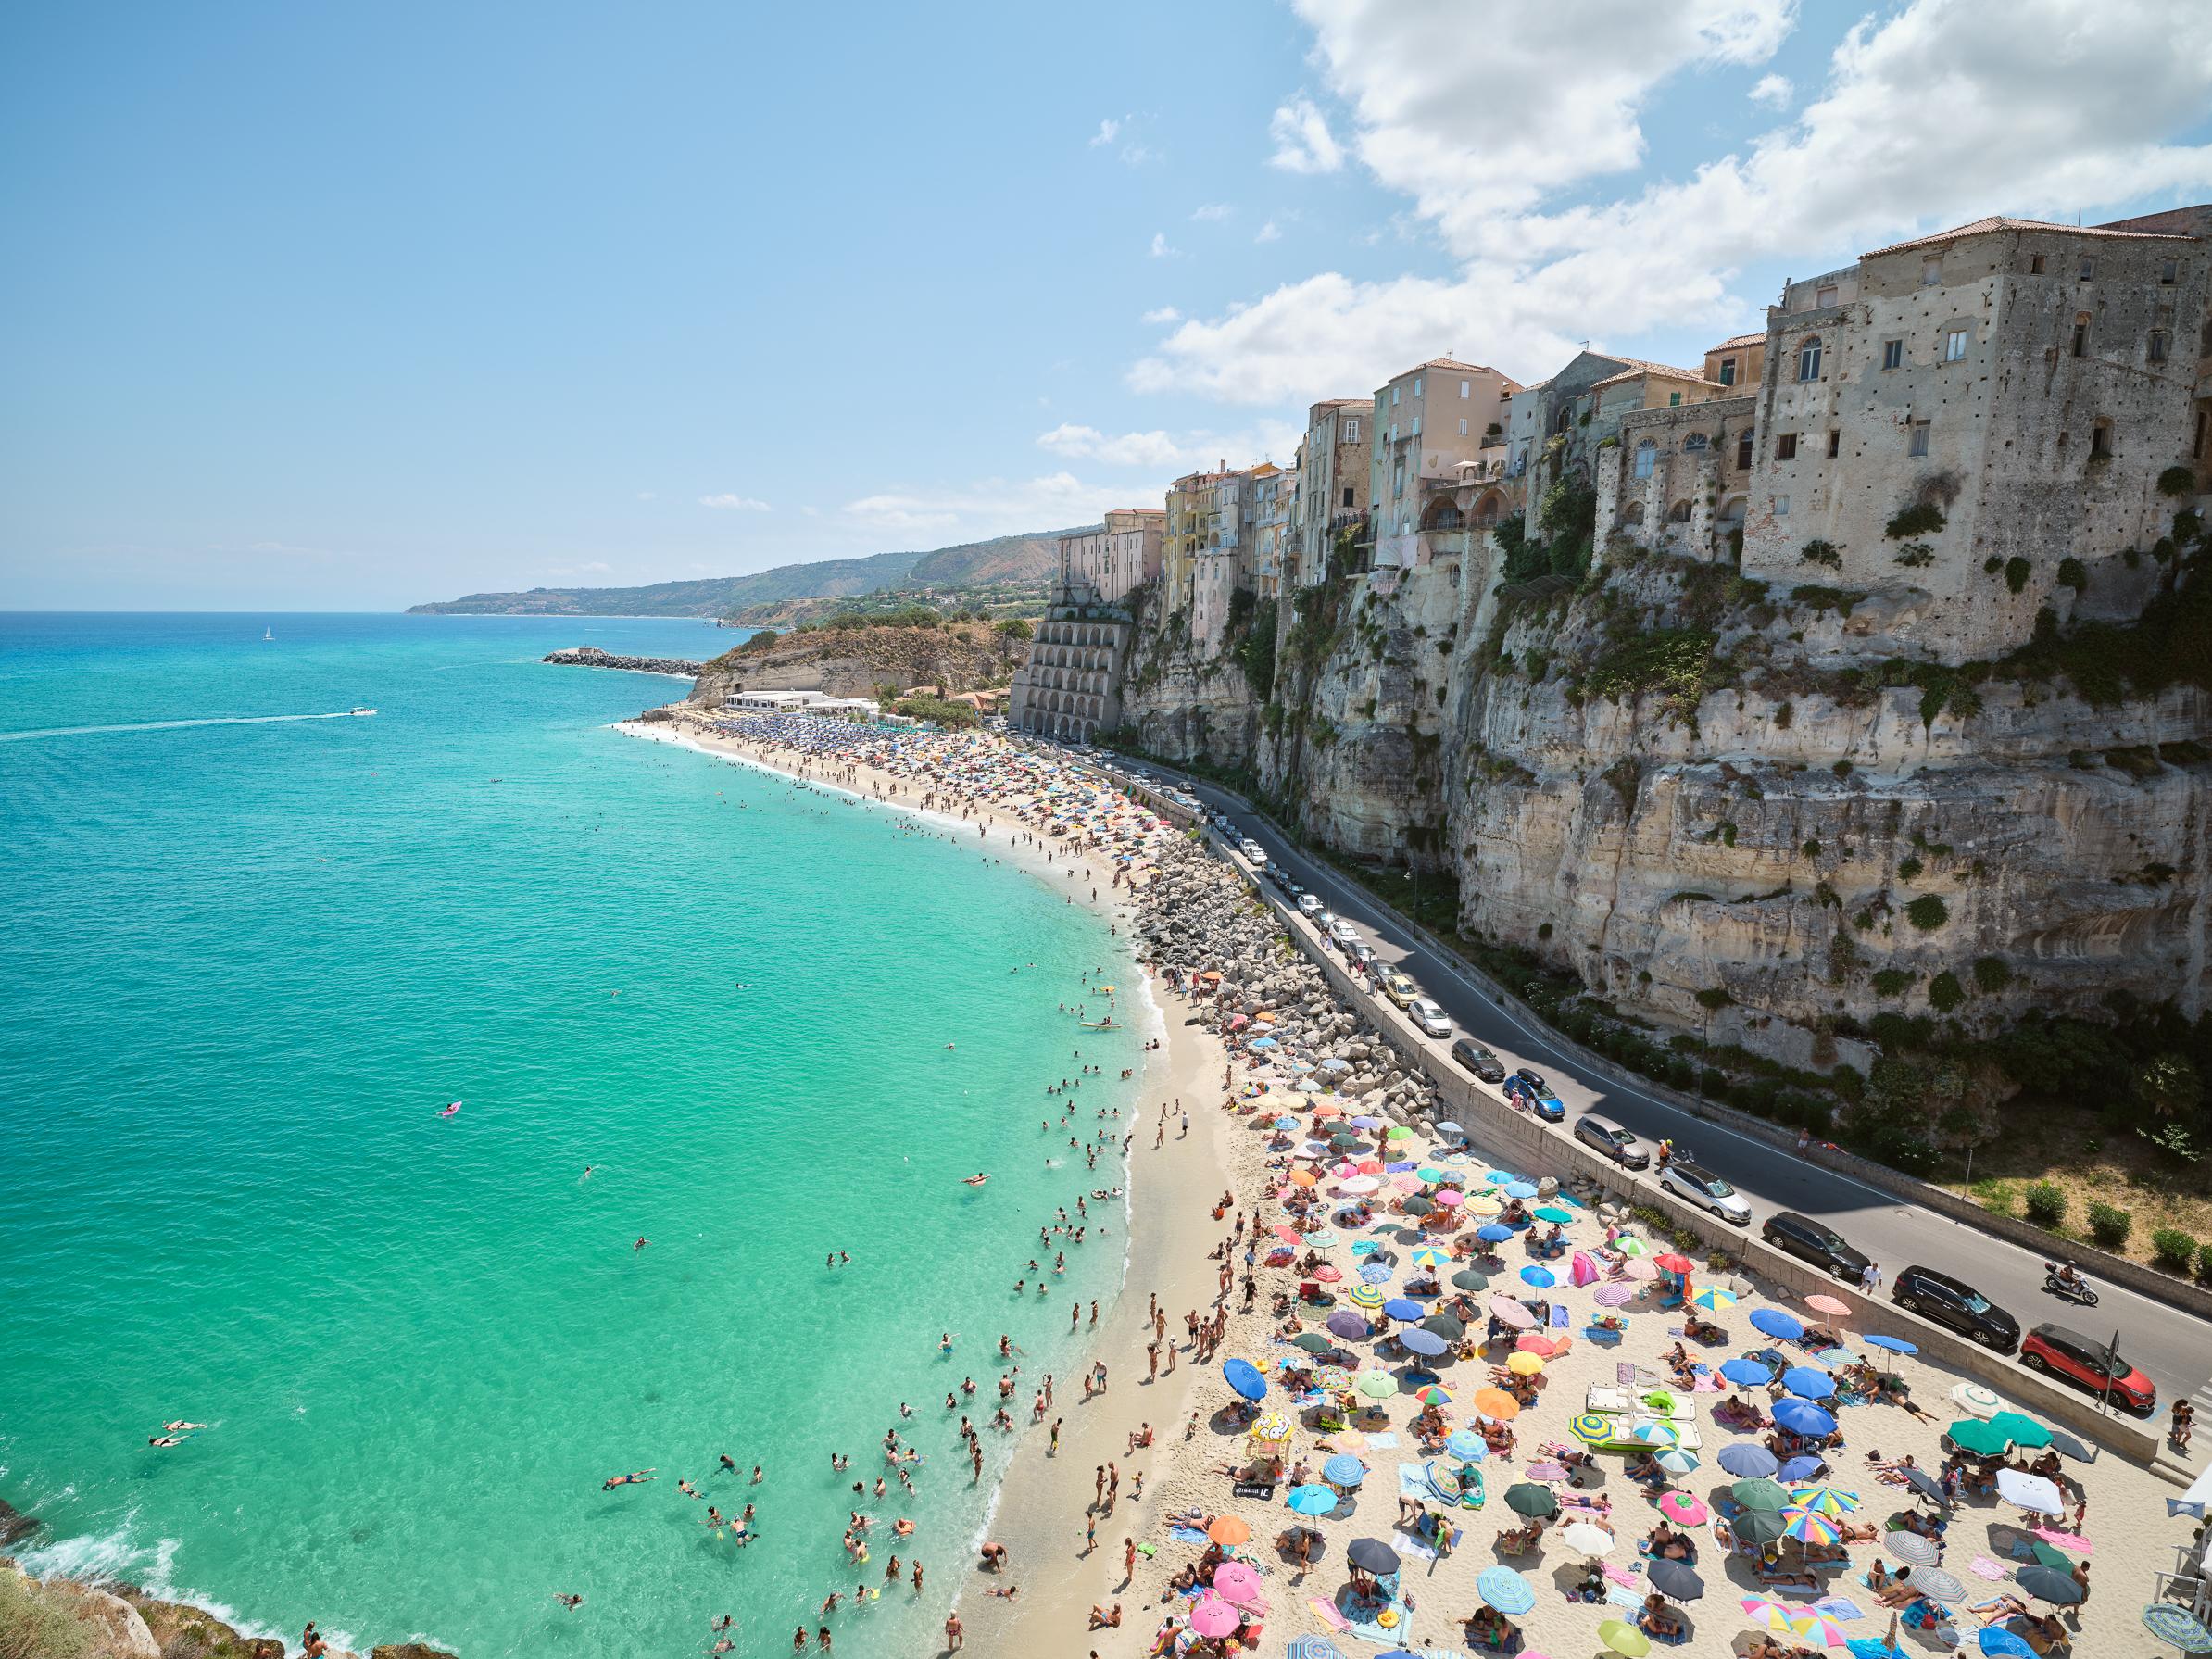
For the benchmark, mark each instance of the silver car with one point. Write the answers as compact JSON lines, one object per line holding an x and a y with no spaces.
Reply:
{"x":1612,"y":1141}
{"x":1432,"y":1019}
{"x":1309,"y":904}
{"x":1343,"y":933}
{"x":1695,"y":1184}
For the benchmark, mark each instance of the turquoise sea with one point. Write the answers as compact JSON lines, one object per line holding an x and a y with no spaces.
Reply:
{"x":248,"y":964}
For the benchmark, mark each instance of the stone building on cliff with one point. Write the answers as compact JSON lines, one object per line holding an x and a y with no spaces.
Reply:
{"x":1119,"y":556}
{"x":1070,"y":687}
{"x":1333,"y":477}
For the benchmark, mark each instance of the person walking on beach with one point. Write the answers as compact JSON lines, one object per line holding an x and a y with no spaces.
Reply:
{"x":956,"y":1635}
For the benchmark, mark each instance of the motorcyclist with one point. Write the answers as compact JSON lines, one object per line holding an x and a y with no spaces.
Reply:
{"x":2069,"y":1277}
{"x":1666,"y":1153}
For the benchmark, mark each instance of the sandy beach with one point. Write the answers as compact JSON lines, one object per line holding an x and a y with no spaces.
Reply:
{"x":1443,"y":1470}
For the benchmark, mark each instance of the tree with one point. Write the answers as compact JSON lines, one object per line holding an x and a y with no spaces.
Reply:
{"x":2168,"y":1087}
{"x":1014,"y":627}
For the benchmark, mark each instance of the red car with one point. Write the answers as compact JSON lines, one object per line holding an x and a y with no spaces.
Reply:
{"x":2087,"y":1365}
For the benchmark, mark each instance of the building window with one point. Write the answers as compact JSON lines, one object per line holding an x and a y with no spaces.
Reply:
{"x":1352,"y":432}
{"x":1824,"y":295}
{"x":1785,"y":447}
{"x":1835,"y":444}
{"x":1808,"y":360}
{"x":1893,"y":354}
{"x":1932,"y":272}
{"x":1393,"y":397}
{"x":1463,"y":426}
{"x":1647,"y":456}
{"x":1465,"y":389}
{"x":1743,"y":450}
{"x":2196,"y":445}
{"x":2089,"y":268}
{"x":2100,"y":441}
{"x":1781,"y":506}
{"x":1728,"y":371}
{"x":1696,"y":440}
{"x":2159,"y":345}
{"x":1674,"y":399}
{"x":1416,"y":426}
{"x":2082,"y":334}
{"x":1954,"y":345}
{"x":2035,"y":266}
{"x":1919,"y":440}
{"x":1417,"y":386}
{"x":2170,"y":272}
{"x":1348,"y":494}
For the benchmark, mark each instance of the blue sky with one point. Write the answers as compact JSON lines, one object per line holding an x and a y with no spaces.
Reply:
{"x":349,"y":307}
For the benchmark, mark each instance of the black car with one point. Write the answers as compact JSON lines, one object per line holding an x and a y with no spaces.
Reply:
{"x":1534,"y":1079}
{"x":1813,"y":1241}
{"x":1474,"y":1057}
{"x":1957,"y":1306}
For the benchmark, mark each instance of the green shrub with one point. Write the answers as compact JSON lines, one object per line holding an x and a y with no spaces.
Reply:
{"x":2016,"y":573}
{"x":1945,"y":993}
{"x":2109,"y":1225}
{"x":1990,"y":973}
{"x":2173,"y":1250}
{"x":1908,"y":868}
{"x":2204,"y":1261}
{"x":2073,"y":574}
{"x":1841,"y":769}
{"x":1928,"y":912}
{"x":2176,"y":482}
{"x":1890,"y":982}
{"x":2046,"y":1205}
{"x":1783,"y":715}
{"x":35,"y":1623}
{"x":1923,"y":519}
{"x":1821,"y":552}
{"x":1915,"y":554}
{"x":1714,"y":996}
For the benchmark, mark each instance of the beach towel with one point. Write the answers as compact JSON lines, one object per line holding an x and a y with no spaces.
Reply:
{"x":1413,"y":1481}
{"x":1981,"y":1566}
{"x":1619,"y":1575}
{"x":1382,"y":1442}
{"x":1838,"y":1608}
{"x":1558,"y":1317}
{"x":1618,"y":1597}
{"x":1327,"y":1612}
{"x":1186,"y":1535}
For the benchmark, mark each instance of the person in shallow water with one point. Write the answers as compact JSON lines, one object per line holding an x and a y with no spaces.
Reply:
{"x":636,"y":1477}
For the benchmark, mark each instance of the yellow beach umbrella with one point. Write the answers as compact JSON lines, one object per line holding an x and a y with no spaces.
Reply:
{"x":1523,"y":1364}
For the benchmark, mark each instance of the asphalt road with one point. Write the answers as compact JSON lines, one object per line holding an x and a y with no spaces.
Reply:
{"x":2173,"y":1348}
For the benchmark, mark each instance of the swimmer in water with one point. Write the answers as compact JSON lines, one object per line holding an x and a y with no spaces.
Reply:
{"x":181,"y":1427}
{"x":570,"y":1602}
{"x":636,"y":1477}
{"x":977,"y":1179}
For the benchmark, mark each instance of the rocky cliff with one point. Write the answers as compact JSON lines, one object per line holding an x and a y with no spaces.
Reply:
{"x":592,"y":657}
{"x":852,"y":661}
{"x":1730,"y":811}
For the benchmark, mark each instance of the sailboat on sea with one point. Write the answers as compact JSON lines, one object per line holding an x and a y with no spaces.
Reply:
{"x":267,"y":633}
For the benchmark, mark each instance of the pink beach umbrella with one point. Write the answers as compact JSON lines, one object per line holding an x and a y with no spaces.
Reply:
{"x":1451,"y":1198}
{"x":1512,"y":1312}
{"x":1213,"y":1618}
{"x":1829,"y":1305}
{"x":1641,"y":1267}
{"x":1235,"y":1582}
{"x":1683,"y":1507}
{"x":1581,"y":1270}
{"x":1613,"y":1296}
{"x":1529,"y":1342}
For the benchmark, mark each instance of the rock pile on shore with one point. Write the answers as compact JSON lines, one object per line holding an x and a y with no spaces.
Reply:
{"x":1196,"y":916}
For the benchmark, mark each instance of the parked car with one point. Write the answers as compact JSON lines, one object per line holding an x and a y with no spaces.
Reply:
{"x":1361,"y":955}
{"x":1399,"y":988}
{"x":1473,"y":1057}
{"x":1534,"y":1079}
{"x":1343,"y":933}
{"x":1813,"y":1241}
{"x":1308,"y":905}
{"x":1958,"y":1306}
{"x":2087,"y":1365}
{"x":1432,"y":1019}
{"x":1693,"y":1183}
{"x":1612,"y":1141}
{"x":1535,"y":1097}
{"x":1255,"y":853}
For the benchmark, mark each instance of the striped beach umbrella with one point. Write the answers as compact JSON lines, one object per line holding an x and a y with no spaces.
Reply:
{"x":1592,"y":1428}
{"x":1675,"y":1460}
{"x":1712,"y":1299}
{"x":1809,"y":1525}
{"x":1428,"y":1255}
{"x":1827,"y":1500}
{"x":1434,"y":1395}
{"x":1368,"y":1297}
{"x":1655,"y":1434}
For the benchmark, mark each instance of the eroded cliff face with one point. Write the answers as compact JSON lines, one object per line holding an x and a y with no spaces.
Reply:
{"x":1730,"y":811}
{"x":852,"y":661}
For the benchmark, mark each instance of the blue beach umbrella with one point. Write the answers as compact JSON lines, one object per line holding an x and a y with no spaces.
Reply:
{"x":1286,"y":1122}
{"x":1491,"y":1233}
{"x":1448,"y":1127}
{"x":1799,"y":1468}
{"x":1775,"y":1323}
{"x":1802,"y":1416}
{"x":1375,"y":1273}
{"x":1807,"y":1382}
{"x":1894,"y":1344}
{"x":1398,"y":1307}
{"x":1426,"y":1343}
{"x":1520,"y":1190}
{"x":1499,"y":1178}
{"x":1343,"y":1470}
{"x":1748,"y":1460}
{"x":1244,"y":1377}
{"x":1997,"y":1642}
{"x":1505,"y":1589}
{"x":1749,"y":1374}
{"x":1465,"y":1443}
{"x":1312,"y":1499}
{"x":1313,"y":1647}
{"x":1541,"y":1277}
{"x":1366,"y":1123}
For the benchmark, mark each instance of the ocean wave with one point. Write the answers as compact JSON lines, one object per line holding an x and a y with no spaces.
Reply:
{"x":172,"y":725}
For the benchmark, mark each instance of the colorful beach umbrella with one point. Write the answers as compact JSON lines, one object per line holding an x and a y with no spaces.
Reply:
{"x":1344,"y":1470}
{"x":1676,"y":1461}
{"x":1592,"y":1428}
{"x":1428,"y":1255}
{"x":1367,"y":1296}
{"x":1810,"y":1525}
{"x":1271,"y":1425}
{"x":1829,"y":1500}
{"x":1465,"y":1443}
{"x":1326,"y":1272}
{"x":1712,"y":1299}
{"x":1434,"y":1394}
{"x":1685,"y":1509}
{"x":1506,"y":1591}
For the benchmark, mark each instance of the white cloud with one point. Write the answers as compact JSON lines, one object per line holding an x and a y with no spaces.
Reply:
{"x":1934,"y":114}
{"x":1212,"y":210}
{"x":1772,"y":91}
{"x":1303,"y":141}
{"x":1161,"y":250}
{"x":1165,"y":451}
{"x":1109,"y":129}
{"x":647,"y":495}
{"x":739,"y":503}
{"x":1269,"y":231}
{"x":1161,"y":314}
{"x":991,"y":507}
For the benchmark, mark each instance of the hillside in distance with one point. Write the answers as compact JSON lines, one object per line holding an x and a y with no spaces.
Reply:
{"x":1026,"y":558}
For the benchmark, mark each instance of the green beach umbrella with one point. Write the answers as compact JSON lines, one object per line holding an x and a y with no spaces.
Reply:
{"x":1530,"y":1500}
{"x":1429,"y":1176}
{"x":1761,"y":1493}
{"x":1399,"y":1132}
{"x":1377,"y":1385}
{"x":1631,"y":1246}
{"x":2051,"y":1556}
{"x":1985,"y":1440}
{"x":1311,"y":1341}
{"x":1759,"y":1526}
{"x":2020,"y":1429}
{"x":1466,"y":1278}
{"x":1624,"y":1638}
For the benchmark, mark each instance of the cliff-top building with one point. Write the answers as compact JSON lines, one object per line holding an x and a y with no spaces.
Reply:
{"x":1118,"y":556}
{"x":1978,"y":420}
{"x":1070,"y":687}
{"x":1333,"y":481}
{"x":1431,"y":422}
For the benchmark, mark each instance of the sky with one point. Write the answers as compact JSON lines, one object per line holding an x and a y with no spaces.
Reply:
{"x":348,"y":307}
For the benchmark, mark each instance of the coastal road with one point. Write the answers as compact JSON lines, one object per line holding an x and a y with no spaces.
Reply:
{"x":2173,"y":1348}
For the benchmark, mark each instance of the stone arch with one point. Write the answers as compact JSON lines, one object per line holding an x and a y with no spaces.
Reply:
{"x":1441,"y":514}
{"x":1634,"y":514}
{"x":1678,"y":513}
{"x":1489,"y":509}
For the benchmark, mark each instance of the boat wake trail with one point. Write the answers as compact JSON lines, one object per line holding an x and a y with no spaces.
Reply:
{"x":171,"y":725}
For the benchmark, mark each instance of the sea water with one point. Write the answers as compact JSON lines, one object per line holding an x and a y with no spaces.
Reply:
{"x":247,"y":966}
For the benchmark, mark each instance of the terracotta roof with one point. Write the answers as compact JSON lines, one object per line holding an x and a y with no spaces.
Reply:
{"x":1740,"y":340}
{"x":1982,"y":227}
{"x":1637,"y":368}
